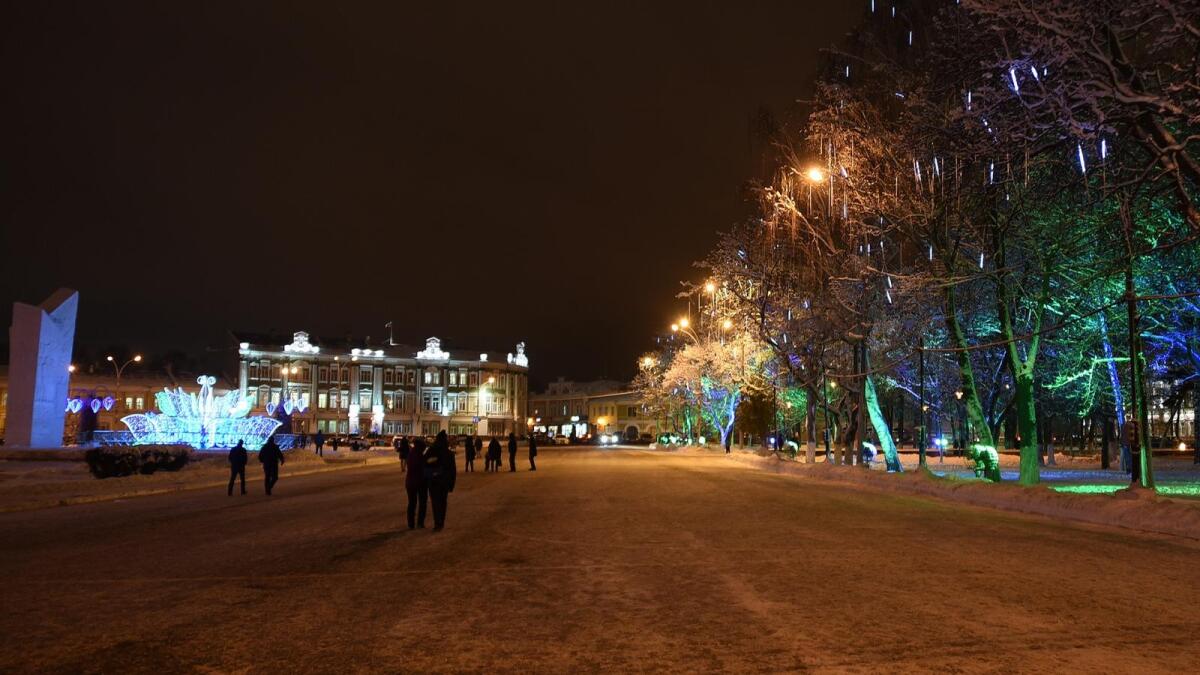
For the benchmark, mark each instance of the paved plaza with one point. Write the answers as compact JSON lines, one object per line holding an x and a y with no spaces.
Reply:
{"x":603,"y":560}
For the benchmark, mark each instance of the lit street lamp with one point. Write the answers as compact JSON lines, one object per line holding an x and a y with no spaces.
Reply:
{"x":137,"y":358}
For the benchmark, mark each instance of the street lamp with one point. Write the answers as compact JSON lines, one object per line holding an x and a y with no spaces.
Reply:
{"x":684,"y":323}
{"x":815,"y":174}
{"x":727,"y":324}
{"x":647,"y":362}
{"x":962,"y":443}
{"x":71,"y":368}
{"x":137,"y":358}
{"x":710,"y":287}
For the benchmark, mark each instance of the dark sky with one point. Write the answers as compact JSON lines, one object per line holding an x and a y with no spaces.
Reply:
{"x":484,"y":172}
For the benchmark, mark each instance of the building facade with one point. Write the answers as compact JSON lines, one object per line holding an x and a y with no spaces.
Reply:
{"x":587,"y":408}
{"x":337,"y":387}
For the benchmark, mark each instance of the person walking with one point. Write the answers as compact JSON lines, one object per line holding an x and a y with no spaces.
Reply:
{"x":334,"y":443}
{"x":440,"y":475}
{"x":237,"y":466}
{"x":532,"y":453}
{"x":469,"y":444}
{"x":512,"y":452}
{"x":319,"y":441}
{"x":270,"y":457}
{"x":478,"y":445}
{"x":402,"y":449}
{"x":414,"y":485}
{"x":494,"y":454}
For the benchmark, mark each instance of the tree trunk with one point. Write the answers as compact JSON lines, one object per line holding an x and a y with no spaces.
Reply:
{"x":1025,"y":409}
{"x":886,"y":442}
{"x":966,"y":372}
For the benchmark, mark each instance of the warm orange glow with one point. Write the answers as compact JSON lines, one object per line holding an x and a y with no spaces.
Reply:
{"x":815,"y":174}
{"x":137,"y":358}
{"x":727,"y":324}
{"x":71,"y":368}
{"x":684,"y":322}
{"x":674,"y":328}
{"x":710,"y":287}
{"x":647,"y":362}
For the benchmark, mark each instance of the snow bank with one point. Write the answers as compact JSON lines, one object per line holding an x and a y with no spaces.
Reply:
{"x":1136,"y":509}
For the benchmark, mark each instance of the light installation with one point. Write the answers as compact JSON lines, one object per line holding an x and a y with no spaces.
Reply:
{"x":202,"y":421}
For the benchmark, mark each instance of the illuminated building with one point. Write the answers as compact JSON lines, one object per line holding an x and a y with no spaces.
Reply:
{"x":346,"y":387}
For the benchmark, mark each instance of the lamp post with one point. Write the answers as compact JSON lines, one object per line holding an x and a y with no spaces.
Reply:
{"x":960,"y":433}
{"x":137,"y":358}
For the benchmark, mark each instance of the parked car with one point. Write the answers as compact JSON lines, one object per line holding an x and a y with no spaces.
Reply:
{"x":561,"y":440}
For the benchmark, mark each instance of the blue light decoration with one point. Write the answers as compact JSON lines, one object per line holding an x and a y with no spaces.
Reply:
{"x":202,"y":421}
{"x":95,"y":405}
{"x":108,"y":402}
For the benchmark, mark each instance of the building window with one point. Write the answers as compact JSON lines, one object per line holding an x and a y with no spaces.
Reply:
{"x":323,"y":374}
{"x":364,"y":399}
{"x":322,"y":400}
{"x":387,"y":375}
{"x":431,"y":428}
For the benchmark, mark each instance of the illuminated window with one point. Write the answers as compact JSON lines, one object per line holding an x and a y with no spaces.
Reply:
{"x":322,"y":400}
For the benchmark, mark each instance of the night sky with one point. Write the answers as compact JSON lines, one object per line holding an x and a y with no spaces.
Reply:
{"x":486,"y":173}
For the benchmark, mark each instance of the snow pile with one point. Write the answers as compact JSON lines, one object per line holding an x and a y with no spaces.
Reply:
{"x":1135,"y":509}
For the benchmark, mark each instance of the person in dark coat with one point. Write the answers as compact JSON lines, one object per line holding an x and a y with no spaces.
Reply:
{"x":469,"y":444}
{"x":237,"y":466}
{"x":402,"y":449}
{"x":478,"y":446}
{"x":334,"y":443}
{"x":494,"y":454}
{"x":414,"y":485}
{"x":319,"y":441}
{"x":270,"y":457}
{"x":512,"y":451}
{"x":440,"y":476}
{"x":532,"y":453}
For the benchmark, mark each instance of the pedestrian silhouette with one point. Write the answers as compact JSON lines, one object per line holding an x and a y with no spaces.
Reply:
{"x":494,"y":454}
{"x":440,"y":476}
{"x":237,"y":466}
{"x":319,"y":440}
{"x":532,"y":453}
{"x":270,"y":457}
{"x":469,"y":444}
{"x":334,"y":443}
{"x":414,"y":484}
{"x":512,"y":451}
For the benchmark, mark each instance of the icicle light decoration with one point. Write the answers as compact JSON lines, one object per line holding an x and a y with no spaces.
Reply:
{"x":1012,"y":74}
{"x":981,"y":260}
{"x":1079,"y":153}
{"x":1103,"y":148}
{"x":889,"y":295}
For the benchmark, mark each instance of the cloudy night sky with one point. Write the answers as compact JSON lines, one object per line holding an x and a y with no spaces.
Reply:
{"x":545,"y":172}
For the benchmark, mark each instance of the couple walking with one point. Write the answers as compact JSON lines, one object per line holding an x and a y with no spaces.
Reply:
{"x":270,"y":456}
{"x":431,"y":476}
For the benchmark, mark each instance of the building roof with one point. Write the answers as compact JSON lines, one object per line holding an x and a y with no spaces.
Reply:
{"x":345,"y":345}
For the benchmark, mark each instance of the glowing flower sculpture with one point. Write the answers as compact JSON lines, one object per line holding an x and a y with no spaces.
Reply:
{"x":201,"y":421}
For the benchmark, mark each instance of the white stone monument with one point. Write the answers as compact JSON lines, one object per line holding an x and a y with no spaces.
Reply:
{"x":40,"y":340}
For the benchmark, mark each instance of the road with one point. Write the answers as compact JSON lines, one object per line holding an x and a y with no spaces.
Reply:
{"x":602,"y":560}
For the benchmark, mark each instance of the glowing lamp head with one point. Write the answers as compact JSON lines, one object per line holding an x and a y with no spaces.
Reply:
{"x":492,"y":380}
{"x":71,"y":368}
{"x":833,"y":384}
{"x":710,"y":287}
{"x":674,"y":328}
{"x":815,"y":174}
{"x":647,"y":362}
{"x":727,"y":324}
{"x":108,"y":358}
{"x":684,"y":322}
{"x":137,"y":358}
{"x":958,"y":394}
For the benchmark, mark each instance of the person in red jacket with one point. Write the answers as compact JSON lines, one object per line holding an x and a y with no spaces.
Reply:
{"x":414,"y":485}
